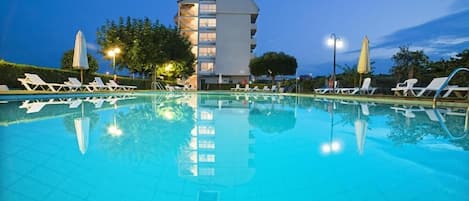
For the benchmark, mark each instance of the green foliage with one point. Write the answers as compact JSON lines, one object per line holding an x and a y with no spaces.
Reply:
{"x":11,"y":72}
{"x":146,"y":46}
{"x":408,"y":62}
{"x":273,"y":64}
{"x":67,"y":62}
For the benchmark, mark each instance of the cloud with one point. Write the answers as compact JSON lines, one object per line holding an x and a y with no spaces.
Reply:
{"x":92,"y":46}
{"x":447,"y":40}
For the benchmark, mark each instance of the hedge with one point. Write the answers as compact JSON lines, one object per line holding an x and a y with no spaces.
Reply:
{"x":10,"y":72}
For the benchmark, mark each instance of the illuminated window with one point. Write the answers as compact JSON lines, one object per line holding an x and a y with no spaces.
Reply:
{"x":208,"y":22}
{"x":206,"y":130}
{"x":207,"y":171}
{"x":208,"y":8}
{"x":207,"y":51}
{"x":208,"y":37}
{"x":206,"y":115}
{"x":209,"y":158}
{"x":206,"y":67}
{"x":206,"y":144}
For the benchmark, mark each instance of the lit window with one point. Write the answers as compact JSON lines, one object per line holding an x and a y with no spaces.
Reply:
{"x":206,"y":115}
{"x":207,"y":158}
{"x":206,"y":130}
{"x":206,"y":67}
{"x":208,"y":37}
{"x":208,"y":8}
{"x":206,"y":144}
{"x":207,"y":171}
{"x":208,"y":22}
{"x":207,"y":51}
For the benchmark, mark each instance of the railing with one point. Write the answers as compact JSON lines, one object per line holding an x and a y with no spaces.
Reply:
{"x":157,"y":85}
{"x":448,"y":132}
{"x":445,"y":84}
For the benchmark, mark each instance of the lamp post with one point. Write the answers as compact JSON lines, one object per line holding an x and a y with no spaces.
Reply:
{"x":335,"y":42}
{"x":113,"y":53}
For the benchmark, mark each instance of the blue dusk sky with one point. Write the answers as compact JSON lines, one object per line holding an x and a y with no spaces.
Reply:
{"x":38,"y":32}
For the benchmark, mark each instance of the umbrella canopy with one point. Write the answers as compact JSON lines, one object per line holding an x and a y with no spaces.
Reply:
{"x":80,"y":59}
{"x":360,"y":134}
{"x":82,"y":129}
{"x":364,"y":60}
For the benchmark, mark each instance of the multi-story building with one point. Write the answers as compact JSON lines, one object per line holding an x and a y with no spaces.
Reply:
{"x":222,"y":34}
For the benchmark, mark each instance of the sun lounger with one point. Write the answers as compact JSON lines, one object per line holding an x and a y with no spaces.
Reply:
{"x":98,"y":84}
{"x":75,"y":83}
{"x":405,"y":87}
{"x":32,"y":82}
{"x":366,"y":88}
{"x":114,"y":85}
{"x":4,"y":88}
{"x":327,"y":89}
{"x":237,"y":88}
{"x":457,"y":91}
{"x":434,"y":85}
{"x":246,"y":87}
{"x":266,"y":88}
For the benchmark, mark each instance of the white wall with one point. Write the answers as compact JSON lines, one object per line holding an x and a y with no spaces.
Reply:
{"x":233,"y":44}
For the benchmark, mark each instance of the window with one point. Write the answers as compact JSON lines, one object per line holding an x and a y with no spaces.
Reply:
{"x":206,"y":66}
{"x":207,"y":158}
{"x":208,"y":8}
{"x":208,"y":22}
{"x":206,"y":144}
{"x":207,"y":115}
{"x":208,"y":37}
{"x":206,"y":130}
{"x":207,"y":51}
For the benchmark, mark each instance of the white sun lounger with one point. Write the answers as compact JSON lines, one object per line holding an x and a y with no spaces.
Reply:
{"x":366,"y":88}
{"x":434,"y":85}
{"x":32,"y":82}
{"x":405,"y":87}
{"x":116,"y":86}
{"x":98,"y":84}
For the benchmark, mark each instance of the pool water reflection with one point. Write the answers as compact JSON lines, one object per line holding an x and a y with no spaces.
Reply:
{"x":189,"y":146}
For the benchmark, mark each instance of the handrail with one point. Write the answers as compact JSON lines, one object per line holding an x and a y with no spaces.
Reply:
{"x":445,"y":84}
{"x":445,"y":128}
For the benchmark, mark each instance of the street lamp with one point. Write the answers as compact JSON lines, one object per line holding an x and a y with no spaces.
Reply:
{"x":113,"y":53}
{"x":336,"y":42}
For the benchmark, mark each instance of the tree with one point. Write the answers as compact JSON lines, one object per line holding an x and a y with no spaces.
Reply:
{"x":408,"y":62}
{"x":67,"y":62}
{"x":146,"y":46}
{"x":273,"y":64}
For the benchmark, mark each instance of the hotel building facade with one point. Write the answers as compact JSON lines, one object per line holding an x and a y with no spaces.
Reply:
{"x":222,"y":36}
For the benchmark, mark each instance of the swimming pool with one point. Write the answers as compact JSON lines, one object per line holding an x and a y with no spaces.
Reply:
{"x":207,"y":147}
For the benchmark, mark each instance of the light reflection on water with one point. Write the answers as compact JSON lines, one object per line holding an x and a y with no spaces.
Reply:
{"x":189,"y":146}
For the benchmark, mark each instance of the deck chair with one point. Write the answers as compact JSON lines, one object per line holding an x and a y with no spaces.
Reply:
{"x":256,"y":88}
{"x":98,"y":84}
{"x":237,"y":88}
{"x":266,"y":88}
{"x":434,"y":85}
{"x":75,"y":83}
{"x":405,"y":87}
{"x":32,"y":82}
{"x":4,"y":88}
{"x":114,"y":85}
{"x":457,"y":90}
{"x":274,"y":88}
{"x":326,"y":89}
{"x":246,"y":87}
{"x":365,"y":88}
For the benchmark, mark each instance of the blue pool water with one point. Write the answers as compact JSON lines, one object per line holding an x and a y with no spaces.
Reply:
{"x":230,"y":147}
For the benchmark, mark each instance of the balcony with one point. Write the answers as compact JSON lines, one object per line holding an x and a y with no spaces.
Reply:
{"x":253,"y":29}
{"x":253,"y":43}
